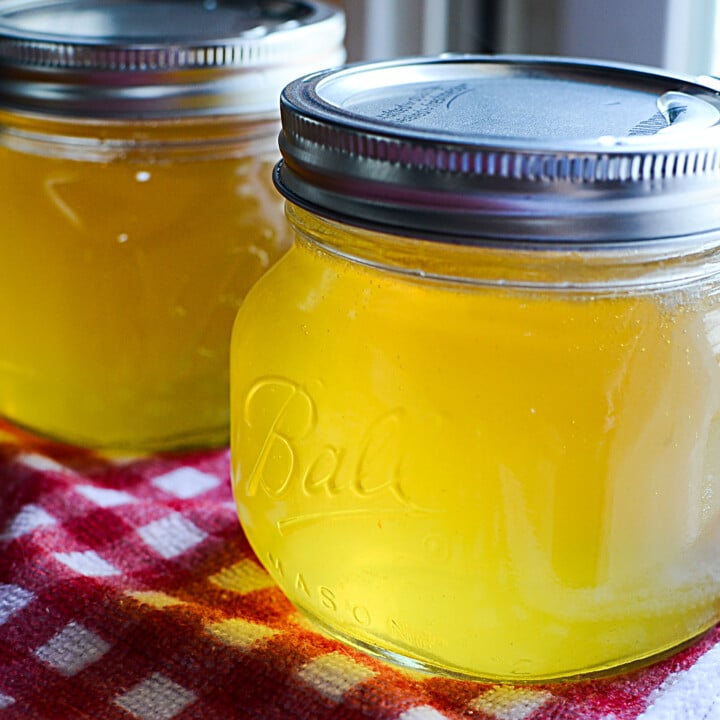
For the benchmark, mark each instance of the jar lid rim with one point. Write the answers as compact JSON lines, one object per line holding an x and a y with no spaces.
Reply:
{"x":120,"y":58}
{"x":522,"y":146}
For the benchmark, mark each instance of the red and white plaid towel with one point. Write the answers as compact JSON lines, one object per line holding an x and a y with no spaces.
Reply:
{"x":127,"y":590}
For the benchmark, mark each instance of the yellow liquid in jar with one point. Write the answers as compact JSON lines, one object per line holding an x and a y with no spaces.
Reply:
{"x":493,"y":482}
{"x":121,"y":276}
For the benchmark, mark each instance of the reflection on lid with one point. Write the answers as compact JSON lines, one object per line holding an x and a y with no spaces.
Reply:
{"x":685,"y":112}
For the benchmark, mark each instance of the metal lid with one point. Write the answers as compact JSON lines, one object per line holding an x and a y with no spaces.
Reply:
{"x":464,"y":148}
{"x":158,"y":58}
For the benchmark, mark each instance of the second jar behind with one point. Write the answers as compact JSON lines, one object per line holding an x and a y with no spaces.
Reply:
{"x":136,"y":141}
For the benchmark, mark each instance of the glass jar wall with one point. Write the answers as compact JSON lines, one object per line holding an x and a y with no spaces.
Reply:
{"x":493,"y":462}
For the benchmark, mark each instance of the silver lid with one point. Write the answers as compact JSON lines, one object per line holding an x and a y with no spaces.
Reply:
{"x":159,"y":58}
{"x":465,"y":148}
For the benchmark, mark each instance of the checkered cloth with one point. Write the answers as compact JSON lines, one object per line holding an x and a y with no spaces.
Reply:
{"x":127,"y":590}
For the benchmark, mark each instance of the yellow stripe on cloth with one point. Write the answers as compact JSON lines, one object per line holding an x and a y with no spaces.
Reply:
{"x":508,"y":703}
{"x":243,"y":577}
{"x":155,"y":598}
{"x":334,"y":674}
{"x":239,"y":633}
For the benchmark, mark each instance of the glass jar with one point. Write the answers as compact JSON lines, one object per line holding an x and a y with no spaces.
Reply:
{"x":136,"y":146}
{"x":476,"y":407}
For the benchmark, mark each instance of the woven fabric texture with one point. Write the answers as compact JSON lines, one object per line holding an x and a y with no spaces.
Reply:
{"x":128,"y":590}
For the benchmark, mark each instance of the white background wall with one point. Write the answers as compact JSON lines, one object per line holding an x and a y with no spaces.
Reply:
{"x":675,"y":34}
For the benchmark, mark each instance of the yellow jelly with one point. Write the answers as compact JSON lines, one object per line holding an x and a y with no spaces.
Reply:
{"x":488,"y":462}
{"x":126,"y":252}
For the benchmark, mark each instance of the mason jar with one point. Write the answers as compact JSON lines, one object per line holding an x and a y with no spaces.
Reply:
{"x":137,"y":141}
{"x":476,"y":406}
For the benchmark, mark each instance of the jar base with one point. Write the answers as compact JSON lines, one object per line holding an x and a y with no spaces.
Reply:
{"x":407,"y":661}
{"x":197,"y":439}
